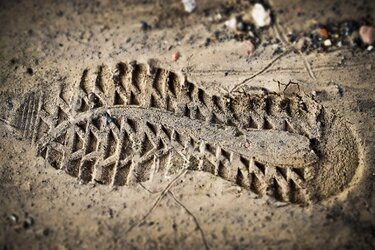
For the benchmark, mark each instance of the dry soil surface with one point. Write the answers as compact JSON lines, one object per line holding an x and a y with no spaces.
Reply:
{"x":109,"y":142}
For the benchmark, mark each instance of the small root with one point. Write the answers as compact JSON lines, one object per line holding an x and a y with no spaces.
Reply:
{"x":260,"y":71}
{"x":158,"y":200}
{"x":194,"y":218}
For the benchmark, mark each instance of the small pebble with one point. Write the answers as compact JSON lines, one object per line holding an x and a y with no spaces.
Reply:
{"x":323,"y":33}
{"x":218,"y":17}
{"x":367,"y":34}
{"x":189,"y":5}
{"x":13,"y":218}
{"x":231,"y":23}
{"x":327,"y":43}
{"x":29,"y":222}
{"x":176,"y":56}
{"x":261,"y":16}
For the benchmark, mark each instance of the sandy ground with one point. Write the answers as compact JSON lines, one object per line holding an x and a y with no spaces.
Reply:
{"x":48,"y":44}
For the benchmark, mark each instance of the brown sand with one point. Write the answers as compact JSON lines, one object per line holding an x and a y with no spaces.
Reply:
{"x":185,"y":162}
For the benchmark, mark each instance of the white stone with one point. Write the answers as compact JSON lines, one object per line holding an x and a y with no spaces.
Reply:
{"x":231,"y":23}
{"x":261,"y":16}
{"x":189,"y":5}
{"x":327,"y":43}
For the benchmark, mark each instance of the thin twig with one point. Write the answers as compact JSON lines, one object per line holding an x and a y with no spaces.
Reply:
{"x":185,"y":208}
{"x":260,"y":71}
{"x":148,"y":190}
{"x":280,"y":35}
{"x":284,"y":40}
{"x":194,"y":218}
{"x":157,"y":201}
{"x":307,"y":65}
{"x":324,"y":67}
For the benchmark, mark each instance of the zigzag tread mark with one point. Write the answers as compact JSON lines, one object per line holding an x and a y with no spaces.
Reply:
{"x":119,"y":150}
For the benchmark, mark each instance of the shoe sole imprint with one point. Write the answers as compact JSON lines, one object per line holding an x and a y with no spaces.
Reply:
{"x":126,"y":125}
